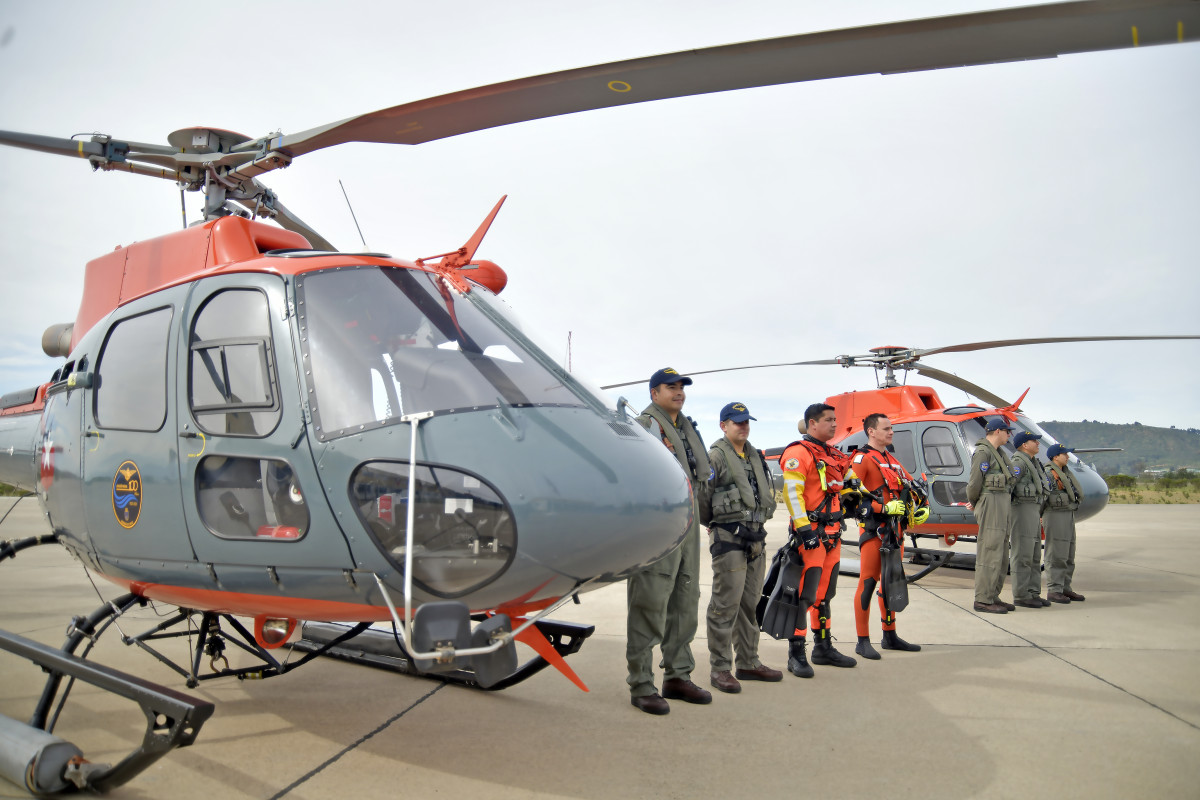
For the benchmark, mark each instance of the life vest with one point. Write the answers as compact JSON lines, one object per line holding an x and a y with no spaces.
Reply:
{"x":831,"y":466}
{"x":1065,"y":491}
{"x":1031,"y":485}
{"x":737,"y":500}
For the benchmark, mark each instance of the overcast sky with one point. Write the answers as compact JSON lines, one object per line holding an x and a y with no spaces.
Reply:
{"x":1049,"y":198}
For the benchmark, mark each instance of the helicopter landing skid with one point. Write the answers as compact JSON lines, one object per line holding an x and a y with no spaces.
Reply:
{"x":45,"y":764}
{"x":381,"y":649}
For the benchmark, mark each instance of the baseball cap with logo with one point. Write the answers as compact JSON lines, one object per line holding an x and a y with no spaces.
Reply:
{"x":668,"y":375}
{"x":736,"y":412}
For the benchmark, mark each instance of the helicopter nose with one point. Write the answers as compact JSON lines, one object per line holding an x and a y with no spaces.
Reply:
{"x":1095,"y":491}
{"x":611,"y":503}
{"x":540,"y":496}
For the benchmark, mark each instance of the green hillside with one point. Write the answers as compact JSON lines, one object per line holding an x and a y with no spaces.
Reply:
{"x":1143,"y":447}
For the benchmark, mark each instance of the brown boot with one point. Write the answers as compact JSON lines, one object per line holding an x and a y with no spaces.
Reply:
{"x":724,"y":681}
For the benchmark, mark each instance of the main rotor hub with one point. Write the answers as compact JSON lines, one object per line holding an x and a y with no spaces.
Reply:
{"x":206,"y":140}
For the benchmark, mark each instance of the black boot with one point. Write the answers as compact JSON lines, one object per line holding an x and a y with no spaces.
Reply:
{"x":864,"y":649}
{"x":893,"y":642}
{"x":797,"y":662}
{"x":824,"y":653}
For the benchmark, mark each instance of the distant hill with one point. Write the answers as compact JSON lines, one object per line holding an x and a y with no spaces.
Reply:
{"x":1144,"y":447}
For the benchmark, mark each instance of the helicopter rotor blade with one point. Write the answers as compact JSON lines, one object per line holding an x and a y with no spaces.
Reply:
{"x":961,"y":383}
{"x":966,"y":348}
{"x":1013,"y":34}
{"x":822,"y":362}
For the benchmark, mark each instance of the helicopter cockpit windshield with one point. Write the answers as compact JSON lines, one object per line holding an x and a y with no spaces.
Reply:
{"x":382,"y":342}
{"x":973,"y":431}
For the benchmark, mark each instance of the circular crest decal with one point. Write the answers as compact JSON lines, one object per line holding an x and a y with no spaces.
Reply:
{"x":127,"y":494}
{"x":792,"y":464}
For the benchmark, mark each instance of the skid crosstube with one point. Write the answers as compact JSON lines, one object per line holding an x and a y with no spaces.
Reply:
{"x":381,"y":649}
{"x":173,"y":719}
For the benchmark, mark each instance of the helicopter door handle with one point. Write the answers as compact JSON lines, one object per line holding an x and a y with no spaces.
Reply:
{"x":97,"y":434}
{"x":195,"y":435}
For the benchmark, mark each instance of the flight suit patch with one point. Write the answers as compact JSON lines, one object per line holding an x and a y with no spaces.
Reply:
{"x":792,"y":464}
{"x":984,"y":466}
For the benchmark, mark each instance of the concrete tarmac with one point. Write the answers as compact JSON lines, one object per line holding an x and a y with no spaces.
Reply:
{"x":1097,"y":699}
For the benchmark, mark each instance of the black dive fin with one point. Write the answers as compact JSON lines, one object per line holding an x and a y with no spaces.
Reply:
{"x":893,"y":584}
{"x":784,"y":608}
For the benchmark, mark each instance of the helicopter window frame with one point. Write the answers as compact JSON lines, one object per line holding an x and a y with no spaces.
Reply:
{"x":236,"y":491}
{"x":434,"y":490}
{"x":465,"y":332}
{"x":940,"y":465}
{"x":129,"y":378}
{"x":263,"y":357}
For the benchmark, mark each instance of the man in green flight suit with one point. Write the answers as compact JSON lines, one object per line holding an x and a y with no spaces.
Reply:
{"x":664,"y":597}
{"x":743,"y":498}
{"x":989,"y":492}
{"x":1065,"y":494}
{"x":1025,"y":522}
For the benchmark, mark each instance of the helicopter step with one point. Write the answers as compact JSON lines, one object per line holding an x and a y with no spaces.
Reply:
{"x":45,"y":764}
{"x":381,"y":648}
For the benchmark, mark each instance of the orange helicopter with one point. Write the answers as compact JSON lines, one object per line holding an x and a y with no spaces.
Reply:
{"x":247,"y":423}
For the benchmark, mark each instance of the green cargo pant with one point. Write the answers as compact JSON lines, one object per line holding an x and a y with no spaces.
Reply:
{"x":1060,"y":550}
{"x":664,"y":600}
{"x":991,"y":545}
{"x":732,"y":627}
{"x":1025,"y":530}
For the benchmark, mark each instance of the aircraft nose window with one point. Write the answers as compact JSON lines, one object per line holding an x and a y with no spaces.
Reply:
{"x":463,"y":531}
{"x":250,"y":498}
{"x":383,"y":342}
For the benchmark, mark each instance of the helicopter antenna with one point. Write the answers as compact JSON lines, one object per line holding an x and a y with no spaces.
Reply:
{"x":568,"y":351}
{"x":352,"y":215}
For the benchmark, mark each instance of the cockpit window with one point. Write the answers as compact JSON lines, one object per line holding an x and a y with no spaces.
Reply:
{"x":382,"y":342}
{"x":973,"y":430}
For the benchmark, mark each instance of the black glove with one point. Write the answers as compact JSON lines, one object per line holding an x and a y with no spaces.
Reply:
{"x":809,"y":538}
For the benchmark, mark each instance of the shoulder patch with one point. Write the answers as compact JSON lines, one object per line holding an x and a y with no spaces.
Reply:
{"x":984,"y":466}
{"x":858,"y":458}
{"x":792,"y":464}
{"x":1016,"y":470}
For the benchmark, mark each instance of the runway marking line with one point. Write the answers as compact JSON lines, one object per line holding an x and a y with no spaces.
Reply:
{"x":319,"y":769}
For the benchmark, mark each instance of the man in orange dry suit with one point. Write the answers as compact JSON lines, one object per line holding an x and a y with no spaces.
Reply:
{"x":813,"y":476}
{"x":886,"y":478}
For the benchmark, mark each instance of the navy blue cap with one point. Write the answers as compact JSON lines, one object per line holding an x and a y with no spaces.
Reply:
{"x":668,"y":375}
{"x":998,"y":424}
{"x":736,"y":412}
{"x":1058,"y":450}
{"x":1025,"y":436}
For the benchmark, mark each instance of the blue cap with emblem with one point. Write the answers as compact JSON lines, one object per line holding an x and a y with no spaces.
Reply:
{"x":1058,"y":450}
{"x":998,"y":424}
{"x":668,"y":375}
{"x":736,"y":412}
{"x":1025,"y":436}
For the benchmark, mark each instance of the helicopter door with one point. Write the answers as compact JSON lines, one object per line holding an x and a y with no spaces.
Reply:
{"x":946,"y":461}
{"x":250,"y":490}
{"x":130,"y":451}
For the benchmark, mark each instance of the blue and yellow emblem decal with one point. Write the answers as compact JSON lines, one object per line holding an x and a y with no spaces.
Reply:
{"x":127,"y":494}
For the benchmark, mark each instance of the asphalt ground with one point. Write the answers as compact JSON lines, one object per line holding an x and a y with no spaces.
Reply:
{"x":1093,"y":700}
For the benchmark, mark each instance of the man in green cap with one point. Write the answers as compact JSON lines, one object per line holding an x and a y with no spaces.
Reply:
{"x":743,"y":498}
{"x":664,"y":597}
{"x":1025,"y":522}
{"x":1065,"y":494}
{"x":989,"y":494}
